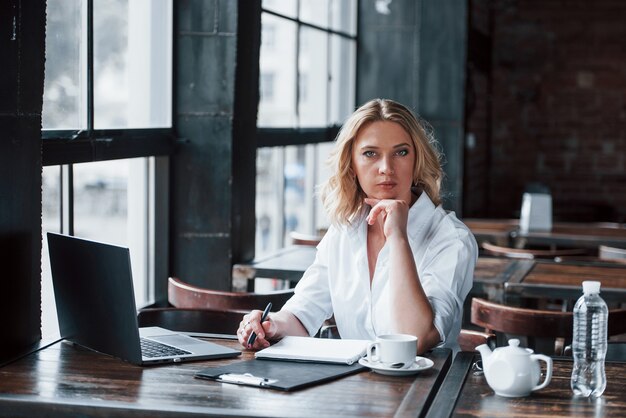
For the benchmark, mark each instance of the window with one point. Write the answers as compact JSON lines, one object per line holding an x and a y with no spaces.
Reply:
{"x":312,"y":51}
{"x":269,"y":36}
{"x":106,"y":115}
{"x":267,"y":87}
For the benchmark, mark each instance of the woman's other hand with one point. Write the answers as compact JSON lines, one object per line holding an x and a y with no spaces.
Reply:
{"x":392,"y":213}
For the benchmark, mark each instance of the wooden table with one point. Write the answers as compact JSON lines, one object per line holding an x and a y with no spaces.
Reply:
{"x":496,"y":231}
{"x":506,"y":232}
{"x":465,"y":394}
{"x":288,"y":263}
{"x":572,"y":235}
{"x":548,"y":279}
{"x":65,"y":380}
{"x":501,"y":279}
{"x":491,"y":275}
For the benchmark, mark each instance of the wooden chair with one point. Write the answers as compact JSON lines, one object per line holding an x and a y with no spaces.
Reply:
{"x":530,"y":253}
{"x":613,"y":254}
{"x":185,"y":295}
{"x":534,"y":323}
{"x":470,"y":339}
{"x":192,"y":320}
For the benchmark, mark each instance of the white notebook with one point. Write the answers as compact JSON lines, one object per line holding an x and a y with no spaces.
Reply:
{"x":321,"y":350}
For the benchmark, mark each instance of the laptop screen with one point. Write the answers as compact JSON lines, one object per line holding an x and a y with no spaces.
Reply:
{"x":94,"y":295}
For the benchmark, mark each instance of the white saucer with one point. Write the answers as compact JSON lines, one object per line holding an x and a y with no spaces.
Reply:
{"x":421,"y":363}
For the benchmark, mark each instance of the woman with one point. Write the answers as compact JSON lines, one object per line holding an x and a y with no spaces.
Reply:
{"x":393,"y":260}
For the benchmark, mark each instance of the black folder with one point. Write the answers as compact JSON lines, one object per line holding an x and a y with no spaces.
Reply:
{"x":277,"y":374}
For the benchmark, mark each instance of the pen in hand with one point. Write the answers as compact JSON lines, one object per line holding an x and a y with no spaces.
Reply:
{"x":265,"y":313}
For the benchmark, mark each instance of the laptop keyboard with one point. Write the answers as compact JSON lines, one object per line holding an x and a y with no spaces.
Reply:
{"x":151,"y":349}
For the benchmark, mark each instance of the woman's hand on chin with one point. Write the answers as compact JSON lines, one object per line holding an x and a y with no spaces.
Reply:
{"x":392,"y":213}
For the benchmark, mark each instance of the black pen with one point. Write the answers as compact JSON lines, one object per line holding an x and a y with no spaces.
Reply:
{"x":265,"y":313}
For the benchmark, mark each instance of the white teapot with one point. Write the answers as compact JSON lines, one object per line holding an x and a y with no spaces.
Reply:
{"x":514,"y":371}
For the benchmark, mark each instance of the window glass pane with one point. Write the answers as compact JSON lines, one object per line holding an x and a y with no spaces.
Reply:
{"x":313,"y":67}
{"x":64,"y":105}
{"x":287,"y":176}
{"x":342,"y":78}
{"x":269,"y":200}
{"x":132,"y":63}
{"x":286,"y":198}
{"x":278,"y":74}
{"x":321,"y":173}
{"x":315,"y":12}
{"x":285,"y":7}
{"x":296,"y":194}
{"x":343,"y":16}
{"x":111,"y":205}
{"x":51,"y":222}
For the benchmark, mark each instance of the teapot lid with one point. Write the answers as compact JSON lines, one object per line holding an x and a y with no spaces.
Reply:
{"x":514,"y":348}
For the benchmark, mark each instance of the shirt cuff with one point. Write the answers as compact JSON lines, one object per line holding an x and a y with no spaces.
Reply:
{"x":439,"y":322}
{"x":304,"y":316}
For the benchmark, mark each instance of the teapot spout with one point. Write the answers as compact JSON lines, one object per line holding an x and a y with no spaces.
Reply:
{"x":485,"y":352}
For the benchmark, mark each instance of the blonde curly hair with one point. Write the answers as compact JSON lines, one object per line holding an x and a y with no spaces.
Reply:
{"x":342,"y":195}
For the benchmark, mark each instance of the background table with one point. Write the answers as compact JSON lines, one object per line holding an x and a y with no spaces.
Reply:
{"x":465,"y":394}
{"x":64,"y":380}
{"x":506,"y":232}
{"x":502,"y":280}
{"x":288,"y":263}
{"x":548,"y":279}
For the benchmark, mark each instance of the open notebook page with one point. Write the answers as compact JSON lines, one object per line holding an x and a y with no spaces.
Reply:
{"x":324,"y":350}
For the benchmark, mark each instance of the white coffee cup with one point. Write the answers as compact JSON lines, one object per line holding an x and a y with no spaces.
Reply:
{"x":393,"y":348}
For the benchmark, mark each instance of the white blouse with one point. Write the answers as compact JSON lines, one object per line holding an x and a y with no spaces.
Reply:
{"x":338,"y":281}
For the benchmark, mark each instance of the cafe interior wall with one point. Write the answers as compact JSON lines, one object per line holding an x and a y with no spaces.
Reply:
{"x":21,"y":98}
{"x":546,"y":102}
{"x":414,"y":52}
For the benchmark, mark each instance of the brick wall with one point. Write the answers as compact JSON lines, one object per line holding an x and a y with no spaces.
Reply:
{"x":557,"y":78}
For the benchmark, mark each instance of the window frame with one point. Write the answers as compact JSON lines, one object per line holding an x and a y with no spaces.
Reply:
{"x":62,"y":147}
{"x":89,"y":145}
{"x":273,"y":137}
{"x":268,"y":137}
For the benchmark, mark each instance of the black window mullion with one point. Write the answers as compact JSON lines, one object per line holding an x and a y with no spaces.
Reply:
{"x":278,"y":137}
{"x":66,"y":212}
{"x":90,"y":75}
{"x":63,"y":147}
{"x":297,"y":63}
{"x":309,"y":25}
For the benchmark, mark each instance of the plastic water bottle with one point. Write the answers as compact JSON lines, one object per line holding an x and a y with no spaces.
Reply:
{"x":589,"y":344}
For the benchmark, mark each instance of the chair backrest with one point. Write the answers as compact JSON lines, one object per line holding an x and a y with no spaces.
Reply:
{"x":533,"y":322}
{"x":521,"y":321}
{"x":192,"y":320}
{"x":470,"y":339}
{"x":612,"y":254}
{"x":530,"y":253}
{"x":185,"y":295}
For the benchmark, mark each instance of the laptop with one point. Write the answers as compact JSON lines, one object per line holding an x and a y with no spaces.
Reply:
{"x":93,"y":289}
